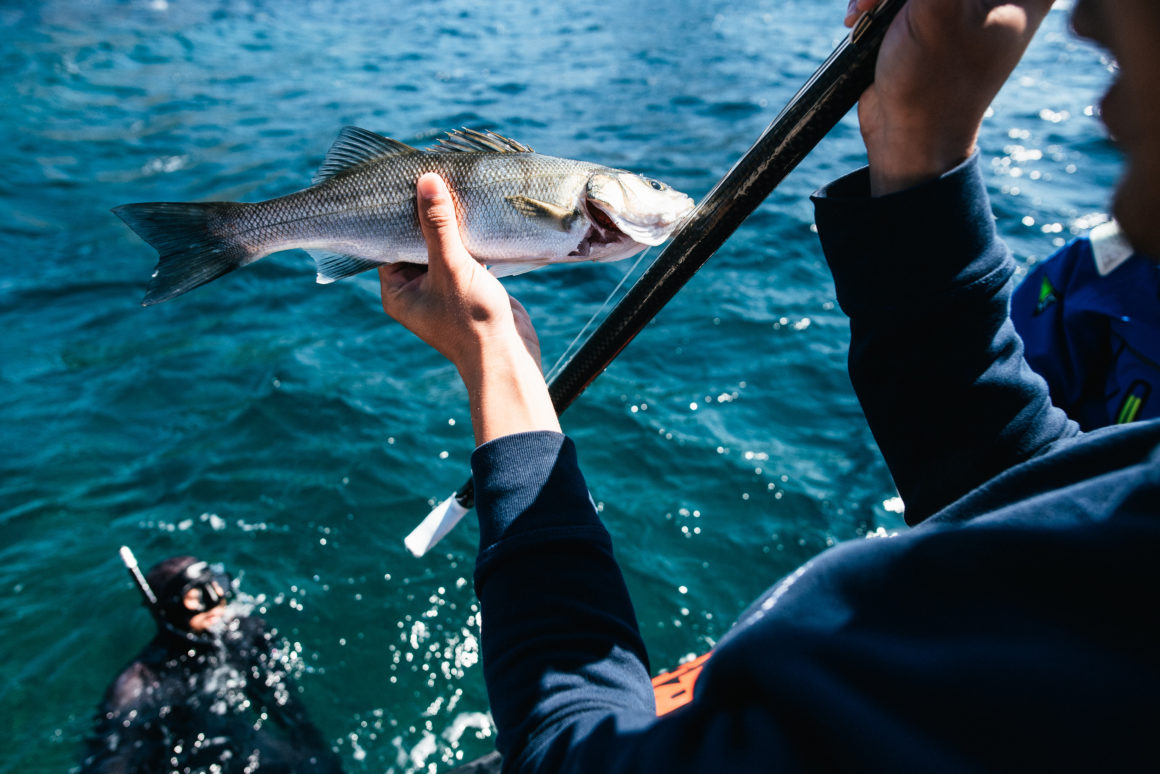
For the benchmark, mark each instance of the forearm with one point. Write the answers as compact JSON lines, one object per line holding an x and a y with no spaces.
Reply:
{"x":561,"y":648}
{"x":934,"y":358}
{"x":506,"y":391}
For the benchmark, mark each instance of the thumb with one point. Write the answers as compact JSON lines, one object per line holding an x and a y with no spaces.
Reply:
{"x":437,"y":220}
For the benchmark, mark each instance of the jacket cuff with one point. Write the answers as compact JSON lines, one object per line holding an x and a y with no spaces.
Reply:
{"x":926,"y":239}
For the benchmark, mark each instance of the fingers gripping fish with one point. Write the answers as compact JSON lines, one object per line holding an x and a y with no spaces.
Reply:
{"x":518,"y":210}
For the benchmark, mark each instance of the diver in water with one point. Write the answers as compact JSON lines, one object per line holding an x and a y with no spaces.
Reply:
{"x":208,"y":693}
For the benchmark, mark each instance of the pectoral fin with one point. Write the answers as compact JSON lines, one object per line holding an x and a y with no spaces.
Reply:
{"x":554,"y":215}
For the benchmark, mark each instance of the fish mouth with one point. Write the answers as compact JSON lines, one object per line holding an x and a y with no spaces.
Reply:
{"x":602,"y":231}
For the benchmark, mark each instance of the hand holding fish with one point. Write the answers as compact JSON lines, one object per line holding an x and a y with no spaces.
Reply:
{"x":940,"y":65}
{"x":519,"y":210}
{"x":456,"y":301}
{"x":462,"y":311}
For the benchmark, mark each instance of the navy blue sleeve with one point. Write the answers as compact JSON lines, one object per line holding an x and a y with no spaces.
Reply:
{"x":934,"y":358}
{"x":565,"y":666}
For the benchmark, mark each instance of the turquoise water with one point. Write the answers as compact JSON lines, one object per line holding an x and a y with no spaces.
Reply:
{"x":293,"y":432}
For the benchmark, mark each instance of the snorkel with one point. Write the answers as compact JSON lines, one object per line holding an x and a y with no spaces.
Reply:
{"x":142,"y":584}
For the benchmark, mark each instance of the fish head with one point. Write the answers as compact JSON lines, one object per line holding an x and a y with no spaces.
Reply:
{"x":625,"y":204}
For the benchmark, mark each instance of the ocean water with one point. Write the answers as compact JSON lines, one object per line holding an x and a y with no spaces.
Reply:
{"x":296,"y":434}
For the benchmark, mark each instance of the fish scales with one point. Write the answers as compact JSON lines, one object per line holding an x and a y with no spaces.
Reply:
{"x":517,"y":209}
{"x":351,"y":212}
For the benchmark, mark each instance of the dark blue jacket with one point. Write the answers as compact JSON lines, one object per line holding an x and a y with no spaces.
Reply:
{"x":1089,"y":317}
{"x":1013,"y":628}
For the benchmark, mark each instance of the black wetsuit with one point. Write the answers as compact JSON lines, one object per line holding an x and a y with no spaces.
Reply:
{"x":192,"y":703}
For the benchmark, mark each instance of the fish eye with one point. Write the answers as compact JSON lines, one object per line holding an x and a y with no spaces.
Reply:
{"x":656,"y":185}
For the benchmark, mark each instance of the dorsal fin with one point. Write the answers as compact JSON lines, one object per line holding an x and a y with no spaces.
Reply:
{"x":355,"y":146}
{"x":467,"y":140}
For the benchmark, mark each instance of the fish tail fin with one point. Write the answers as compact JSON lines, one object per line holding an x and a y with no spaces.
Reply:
{"x":193,"y":247}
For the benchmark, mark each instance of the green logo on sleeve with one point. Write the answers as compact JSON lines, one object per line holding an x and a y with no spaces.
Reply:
{"x":1047,"y":295}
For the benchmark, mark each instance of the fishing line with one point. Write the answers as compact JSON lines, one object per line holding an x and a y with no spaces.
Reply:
{"x":608,"y":299}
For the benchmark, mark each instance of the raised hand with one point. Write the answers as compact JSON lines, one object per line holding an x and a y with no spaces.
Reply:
{"x":466,"y":314}
{"x":941,"y":64}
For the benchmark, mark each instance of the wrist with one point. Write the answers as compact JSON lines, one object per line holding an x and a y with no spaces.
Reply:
{"x":894,"y":169}
{"x":912,"y":149}
{"x":505,"y":389}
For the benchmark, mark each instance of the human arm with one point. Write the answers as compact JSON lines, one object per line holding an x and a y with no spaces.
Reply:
{"x":561,"y":651}
{"x":934,"y":357}
{"x":918,"y":265}
{"x":127,"y":735}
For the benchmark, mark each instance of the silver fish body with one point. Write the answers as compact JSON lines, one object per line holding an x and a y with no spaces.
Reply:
{"x":518,"y":210}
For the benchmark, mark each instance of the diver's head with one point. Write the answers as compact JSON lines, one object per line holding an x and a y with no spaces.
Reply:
{"x":191,"y":595}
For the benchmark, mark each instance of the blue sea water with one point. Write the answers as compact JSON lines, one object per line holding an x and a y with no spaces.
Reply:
{"x":296,"y":434}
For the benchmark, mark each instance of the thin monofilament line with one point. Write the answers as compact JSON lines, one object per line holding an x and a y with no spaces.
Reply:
{"x":573,"y":346}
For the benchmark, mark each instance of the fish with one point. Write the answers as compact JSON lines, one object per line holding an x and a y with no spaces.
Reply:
{"x":518,"y":210}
